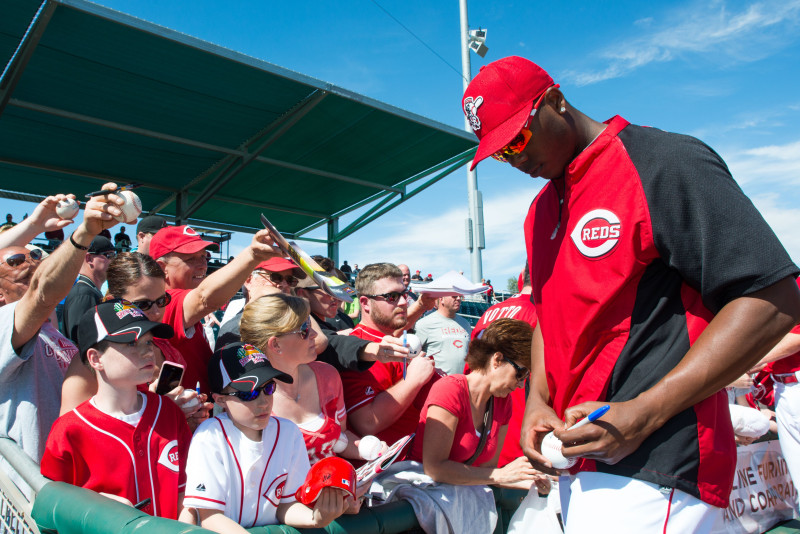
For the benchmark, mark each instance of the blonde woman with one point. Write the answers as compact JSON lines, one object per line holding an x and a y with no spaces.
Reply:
{"x":279,"y":326}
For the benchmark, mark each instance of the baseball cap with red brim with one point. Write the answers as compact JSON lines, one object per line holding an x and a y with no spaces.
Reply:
{"x":499,"y":100}
{"x":276,"y":265}
{"x":183,"y":239}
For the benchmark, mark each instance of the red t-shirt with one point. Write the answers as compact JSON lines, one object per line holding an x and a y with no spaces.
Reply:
{"x":452,"y":394}
{"x":361,"y":387}
{"x":193,"y":347}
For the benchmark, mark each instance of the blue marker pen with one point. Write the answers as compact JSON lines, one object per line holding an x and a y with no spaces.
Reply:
{"x":592,"y":417}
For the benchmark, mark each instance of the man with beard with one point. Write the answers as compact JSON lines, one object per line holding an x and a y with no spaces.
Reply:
{"x":385,"y":400}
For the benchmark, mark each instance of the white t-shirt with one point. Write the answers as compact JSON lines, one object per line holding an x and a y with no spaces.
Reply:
{"x":244,"y":479}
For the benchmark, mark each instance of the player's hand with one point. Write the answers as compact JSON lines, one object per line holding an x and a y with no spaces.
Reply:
{"x":330,"y":505}
{"x":420,"y":370}
{"x":99,"y":212}
{"x":262,"y":247}
{"x":607,"y":440}
{"x":536,"y":424}
{"x":44,"y":216}
{"x":518,"y":470}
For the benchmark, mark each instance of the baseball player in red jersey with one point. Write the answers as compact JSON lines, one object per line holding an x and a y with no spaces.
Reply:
{"x":127,"y":445}
{"x":656,"y":284}
{"x":517,"y":307}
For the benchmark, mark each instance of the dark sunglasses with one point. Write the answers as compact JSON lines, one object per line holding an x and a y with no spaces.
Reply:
{"x":108,"y":254}
{"x":268,"y":389}
{"x":146,"y":304}
{"x":522,"y":372}
{"x":15,"y":260}
{"x":304,"y":332}
{"x":277,"y":278}
{"x":391,"y":297}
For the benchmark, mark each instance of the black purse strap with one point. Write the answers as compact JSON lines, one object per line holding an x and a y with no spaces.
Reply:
{"x":488,"y":415}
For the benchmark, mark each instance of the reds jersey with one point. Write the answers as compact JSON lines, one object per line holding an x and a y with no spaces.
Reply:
{"x":96,"y":451}
{"x":631,"y":254}
{"x":244,"y":479}
{"x":519,"y":307}
{"x":361,"y":387}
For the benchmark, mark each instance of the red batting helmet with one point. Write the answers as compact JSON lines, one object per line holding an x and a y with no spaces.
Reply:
{"x":332,"y":472}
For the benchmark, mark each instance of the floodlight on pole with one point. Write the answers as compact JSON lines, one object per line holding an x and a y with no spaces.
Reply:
{"x":477,"y":41}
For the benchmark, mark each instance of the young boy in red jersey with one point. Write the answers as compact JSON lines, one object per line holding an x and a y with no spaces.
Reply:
{"x":124,"y":444}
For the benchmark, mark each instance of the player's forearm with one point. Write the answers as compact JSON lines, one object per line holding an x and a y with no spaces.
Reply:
{"x":741,"y":333}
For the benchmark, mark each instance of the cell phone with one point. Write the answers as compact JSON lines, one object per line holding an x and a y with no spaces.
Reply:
{"x":169,"y":377}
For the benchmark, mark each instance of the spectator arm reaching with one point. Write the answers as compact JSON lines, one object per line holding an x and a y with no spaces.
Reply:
{"x":43,"y":219}
{"x":424,"y":303}
{"x":218,"y":288}
{"x":790,"y":344}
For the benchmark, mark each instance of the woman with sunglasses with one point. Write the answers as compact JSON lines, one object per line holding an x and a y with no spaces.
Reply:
{"x":279,"y":326}
{"x":138,"y":279}
{"x":465,"y":417}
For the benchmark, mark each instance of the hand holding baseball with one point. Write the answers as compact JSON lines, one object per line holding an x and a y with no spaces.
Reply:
{"x":46,"y":217}
{"x":101,"y":211}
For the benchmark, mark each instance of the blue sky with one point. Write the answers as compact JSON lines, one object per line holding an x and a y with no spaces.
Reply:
{"x":726,"y":72}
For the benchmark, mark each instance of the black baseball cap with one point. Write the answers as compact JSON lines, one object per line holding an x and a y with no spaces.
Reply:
{"x":151,"y":224}
{"x":243,"y":367}
{"x":100,"y":244}
{"x":117,"y":321}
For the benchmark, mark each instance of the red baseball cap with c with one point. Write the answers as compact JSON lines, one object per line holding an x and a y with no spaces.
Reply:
{"x":499,"y":100}
{"x":183,"y":239}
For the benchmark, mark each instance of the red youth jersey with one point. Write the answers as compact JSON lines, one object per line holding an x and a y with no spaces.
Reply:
{"x":193,"y":347}
{"x":96,"y":451}
{"x":361,"y":387}
{"x":631,"y":253}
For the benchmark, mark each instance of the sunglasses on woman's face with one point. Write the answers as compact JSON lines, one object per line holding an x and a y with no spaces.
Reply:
{"x":146,"y":304}
{"x":247,"y":396}
{"x":277,"y":278}
{"x":15,"y":260}
{"x":304,"y":332}
{"x":522,"y":373}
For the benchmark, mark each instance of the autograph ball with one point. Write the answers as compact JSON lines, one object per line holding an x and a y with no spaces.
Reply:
{"x":414,"y":345}
{"x":369,"y":447}
{"x":131,"y":209}
{"x":551,"y":448}
{"x":68,"y":208}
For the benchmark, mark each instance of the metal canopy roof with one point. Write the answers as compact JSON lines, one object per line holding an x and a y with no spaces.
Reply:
{"x":214,"y":136}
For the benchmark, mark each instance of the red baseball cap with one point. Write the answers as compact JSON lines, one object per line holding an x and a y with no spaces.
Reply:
{"x":183,"y":239}
{"x":276,"y":265}
{"x":499,"y":100}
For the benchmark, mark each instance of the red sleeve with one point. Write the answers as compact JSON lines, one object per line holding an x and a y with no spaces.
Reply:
{"x":173,"y":313}
{"x":57,"y":458}
{"x":446,"y":393}
{"x":360,"y":387}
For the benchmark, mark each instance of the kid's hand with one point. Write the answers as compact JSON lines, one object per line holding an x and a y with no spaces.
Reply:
{"x":330,"y":505}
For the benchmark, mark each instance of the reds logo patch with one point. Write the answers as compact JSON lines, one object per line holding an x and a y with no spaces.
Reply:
{"x":457,"y":343}
{"x":471,"y":106}
{"x":597,"y":233}
{"x":169,"y":456}
{"x":276,"y":489}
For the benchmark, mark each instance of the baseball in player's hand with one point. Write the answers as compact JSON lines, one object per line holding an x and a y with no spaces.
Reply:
{"x":536,"y":424}
{"x":607,"y":440}
{"x":330,"y":504}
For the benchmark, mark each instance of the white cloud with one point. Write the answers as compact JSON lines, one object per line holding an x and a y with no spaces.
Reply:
{"x":774,"y":164}
{"x":783,"y":219}
{"x":705,"y":28}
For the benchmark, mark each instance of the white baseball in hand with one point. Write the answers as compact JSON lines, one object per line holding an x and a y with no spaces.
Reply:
{"x":341,"y":443}
{"x":414,"y":345}
{"x":67,"y":208}
{"x":369,"y":447}
{"x":131,"y":209}
{"x":551,"y":449}
{"x":191,"y":403}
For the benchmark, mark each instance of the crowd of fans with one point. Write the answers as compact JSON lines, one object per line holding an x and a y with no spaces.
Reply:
{"x":293,"y":377}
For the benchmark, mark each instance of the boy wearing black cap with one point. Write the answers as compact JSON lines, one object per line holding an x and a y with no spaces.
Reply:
{"x":127,"y":445}
{"x":244,"y":465}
